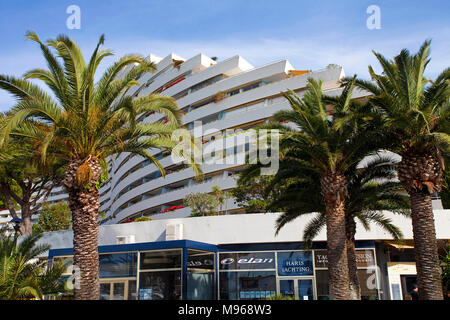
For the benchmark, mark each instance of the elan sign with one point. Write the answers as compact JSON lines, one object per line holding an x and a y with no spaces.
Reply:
{"x":247,"y":260}
{"x":295,"y":263}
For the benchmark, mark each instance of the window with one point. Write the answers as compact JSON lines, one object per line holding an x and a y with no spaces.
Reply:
{"x":200,"y":275}
{"x":160,"y":278}
{"x":322,"y":285}
{"x":295,"y":263}
{"x":160,"y":260}
{"x":247,"y":285}
{"x":251,"y":86}
{"x":367,"y":281}
{"x":160,"y":285}
{"x":233,"y":92}
{"x":247,"y":275}
{"x":118,"y":265}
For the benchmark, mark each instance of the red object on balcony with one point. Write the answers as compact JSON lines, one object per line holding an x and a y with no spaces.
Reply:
{"x":172,"y":84}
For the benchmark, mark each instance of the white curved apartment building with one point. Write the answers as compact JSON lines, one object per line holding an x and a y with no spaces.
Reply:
{"x":225,"y":95}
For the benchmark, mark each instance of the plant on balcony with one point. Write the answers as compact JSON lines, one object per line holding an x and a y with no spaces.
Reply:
{"x":142,"y":219}
{"x":177,"y":63}
{"x":203,"y":203}
{"x":220,"y":96}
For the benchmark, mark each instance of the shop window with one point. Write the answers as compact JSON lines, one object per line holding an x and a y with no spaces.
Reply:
{"x":295,"y":263}
{"x":118,"y":265}
{"x":160,"y":285}
{"x":160,"y":260}
{"x":247,"y":285}
{"x":200,"y":275}
{"x":367,"y":283}
{"x":322,"y":285}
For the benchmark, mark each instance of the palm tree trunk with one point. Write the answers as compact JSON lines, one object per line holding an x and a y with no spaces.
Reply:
{"x":355,"y":290}
{"x":425,"y":247}
{"x":84,"y":204}
{"x":334,"y":192}
{"x":420,"y":175}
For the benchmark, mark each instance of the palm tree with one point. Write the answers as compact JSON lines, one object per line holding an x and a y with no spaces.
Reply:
{"x":22,"y":275}
{"x":86,"y":123}
{"x":330,"y":146}
{"x":26,"y":180}
{"x":416,"y":117}
{"x":370,"y":190}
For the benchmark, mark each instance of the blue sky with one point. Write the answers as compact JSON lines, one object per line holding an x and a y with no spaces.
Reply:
{"x":310,"y":34}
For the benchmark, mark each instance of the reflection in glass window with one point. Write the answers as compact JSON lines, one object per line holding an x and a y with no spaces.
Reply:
{"x":105,"y":291}
{"x":132,"y":290}
{"x":305,"y":289}
{"x":200,"y":285}
{"x":67,"y":261}
{"x":118,"y":265}
{"x":200,"y":275}
{"x":200,"y":260}
{"x":367,"y":282}
{"x":247,"y":285}
{"x":160,"y":285}
{"x":322,"y":285}
{"x":160,"y":260}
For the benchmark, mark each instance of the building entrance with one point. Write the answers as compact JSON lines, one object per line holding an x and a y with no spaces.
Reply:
{"x":297,"y":288}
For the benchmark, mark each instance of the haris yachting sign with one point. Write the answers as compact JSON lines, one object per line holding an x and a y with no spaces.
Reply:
{"x":295,"y":263}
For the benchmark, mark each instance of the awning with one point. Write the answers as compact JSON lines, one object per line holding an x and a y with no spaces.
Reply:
{"x":399,"y":245}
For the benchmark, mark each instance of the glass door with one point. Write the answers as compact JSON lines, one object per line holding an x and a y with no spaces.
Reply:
{"x":299,"y":289}
{"x":287,"y":288}
{"x":118,"y":289}
{"x":305,"y":289}
{"x":105,"y":291}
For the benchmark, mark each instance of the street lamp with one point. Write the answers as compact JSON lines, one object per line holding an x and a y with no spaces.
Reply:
{"x":17,"y":222}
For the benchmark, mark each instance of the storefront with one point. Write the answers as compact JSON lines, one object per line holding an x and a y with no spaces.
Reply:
{"x":168,"y":270}
{"x":190,"y":270}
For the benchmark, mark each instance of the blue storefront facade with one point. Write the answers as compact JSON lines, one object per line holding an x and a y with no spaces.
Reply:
{"x":191,"y":270}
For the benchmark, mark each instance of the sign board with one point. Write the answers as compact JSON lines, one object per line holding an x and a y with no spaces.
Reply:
{"x":246,"y":260}
{"x":364,"y":258}
{"x":295,"y":263}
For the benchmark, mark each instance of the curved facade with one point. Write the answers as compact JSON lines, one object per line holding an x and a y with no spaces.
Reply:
{"x":221,"y":96}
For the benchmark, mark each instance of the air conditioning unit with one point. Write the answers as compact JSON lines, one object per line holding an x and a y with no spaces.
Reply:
{"x":174,"y":232}
{"x":125,"y":239}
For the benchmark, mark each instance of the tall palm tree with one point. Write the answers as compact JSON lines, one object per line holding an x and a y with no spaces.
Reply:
{"x":416,"y":114}
{"x":330,"y":146}
{"x":22,"y":274}
{"x":371,"y":189}
{"x":85,"y":123}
